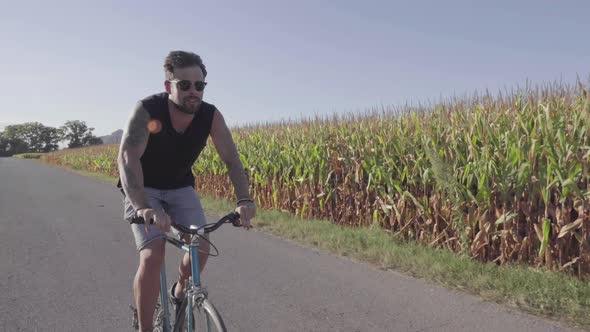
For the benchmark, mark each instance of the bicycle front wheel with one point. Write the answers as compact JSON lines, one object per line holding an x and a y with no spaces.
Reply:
{"x":206,"y":318}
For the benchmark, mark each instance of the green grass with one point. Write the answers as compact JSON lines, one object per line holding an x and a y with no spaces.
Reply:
{"x":28,"y":155}
{"x":547,"y":294}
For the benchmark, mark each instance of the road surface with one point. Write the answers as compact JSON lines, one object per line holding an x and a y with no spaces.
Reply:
{"x":68,"y":261}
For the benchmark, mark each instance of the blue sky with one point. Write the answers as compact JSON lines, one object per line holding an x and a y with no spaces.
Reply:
{"x":271,"y":60}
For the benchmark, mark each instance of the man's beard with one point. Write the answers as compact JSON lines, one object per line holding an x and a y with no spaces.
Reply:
{"x":186,"y":109}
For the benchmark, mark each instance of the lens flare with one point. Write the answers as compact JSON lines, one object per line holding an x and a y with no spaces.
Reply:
{"x":154,"y":126}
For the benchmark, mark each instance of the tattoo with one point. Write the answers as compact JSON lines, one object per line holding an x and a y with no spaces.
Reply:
{"x":132,"y":147}
{"x":239,"y":178}
{"x":229,"y":154}
{"x":132,"y":183}
{"x":137,"y":127}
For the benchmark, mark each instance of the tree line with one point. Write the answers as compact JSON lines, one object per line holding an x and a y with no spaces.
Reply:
{"x":36,"y":137}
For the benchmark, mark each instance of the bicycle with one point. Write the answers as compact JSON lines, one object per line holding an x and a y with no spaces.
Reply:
{"x":196,"y":306}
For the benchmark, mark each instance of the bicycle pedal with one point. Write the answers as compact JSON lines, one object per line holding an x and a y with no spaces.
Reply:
{"x":134,"y":319}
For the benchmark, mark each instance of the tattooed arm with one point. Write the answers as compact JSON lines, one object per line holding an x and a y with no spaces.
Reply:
{"x":226,"y":148}
{"x":228,"y":152}
{"x":133,"y":144}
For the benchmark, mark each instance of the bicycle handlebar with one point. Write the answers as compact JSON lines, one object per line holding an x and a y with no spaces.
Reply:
{"x":232,"y":217}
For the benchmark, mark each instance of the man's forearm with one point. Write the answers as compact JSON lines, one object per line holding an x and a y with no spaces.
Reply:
{"x":238,"y":176}
{"x":132,"y":183}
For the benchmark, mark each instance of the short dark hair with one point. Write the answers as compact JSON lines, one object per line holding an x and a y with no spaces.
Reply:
{"x":182,"y":59}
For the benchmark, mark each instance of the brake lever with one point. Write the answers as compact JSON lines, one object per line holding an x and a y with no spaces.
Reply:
{"x":235,"y":219}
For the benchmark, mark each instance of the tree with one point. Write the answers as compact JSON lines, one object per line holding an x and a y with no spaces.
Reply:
{"x":36,"y":136}
{"x":78,"y":134}
{"x":9,"y":147}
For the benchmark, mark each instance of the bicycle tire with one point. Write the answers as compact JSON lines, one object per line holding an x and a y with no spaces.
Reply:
{"x":214,"y":317}
{"x":205,"y":312}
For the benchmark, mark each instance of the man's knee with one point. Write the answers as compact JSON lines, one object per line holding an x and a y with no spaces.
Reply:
{"x":152,"y":255}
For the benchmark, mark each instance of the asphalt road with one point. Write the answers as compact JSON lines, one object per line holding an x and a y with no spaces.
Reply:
{"x":68,"y":262}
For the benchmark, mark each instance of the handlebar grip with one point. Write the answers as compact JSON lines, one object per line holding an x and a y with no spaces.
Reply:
{"x":139,"y":220}
{"x":235,"y":219}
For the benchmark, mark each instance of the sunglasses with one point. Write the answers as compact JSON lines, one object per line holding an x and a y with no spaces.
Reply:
{"x":185,"y":85}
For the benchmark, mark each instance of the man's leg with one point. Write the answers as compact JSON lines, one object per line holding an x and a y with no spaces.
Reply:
{"x":184,"y":270}
{"x":184,"y":207}
{"x":146,"y":285}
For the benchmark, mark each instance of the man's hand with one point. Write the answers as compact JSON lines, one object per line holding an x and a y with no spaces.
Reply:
{"x":161,"y":219}
{"x":247,"y":211}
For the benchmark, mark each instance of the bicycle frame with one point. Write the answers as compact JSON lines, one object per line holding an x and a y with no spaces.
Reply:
{"x":194,"y":281}
{"x":194,"y":293}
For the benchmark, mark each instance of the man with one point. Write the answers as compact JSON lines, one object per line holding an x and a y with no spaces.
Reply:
{"x":163,"y":137}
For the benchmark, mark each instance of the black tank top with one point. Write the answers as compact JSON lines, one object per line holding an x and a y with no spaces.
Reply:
{"x":169,"y":156}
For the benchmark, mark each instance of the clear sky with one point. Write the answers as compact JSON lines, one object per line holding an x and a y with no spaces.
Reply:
{"x":267,"y":60}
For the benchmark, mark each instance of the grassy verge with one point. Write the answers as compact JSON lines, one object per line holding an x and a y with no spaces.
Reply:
{"x":547,"y":294}
{"x":28,"y":155}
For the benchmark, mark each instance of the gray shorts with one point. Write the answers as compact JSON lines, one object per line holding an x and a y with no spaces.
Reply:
{"x":182,"y":205}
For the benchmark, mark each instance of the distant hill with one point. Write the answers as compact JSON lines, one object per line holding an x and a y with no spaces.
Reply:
{"x":113,"y":138}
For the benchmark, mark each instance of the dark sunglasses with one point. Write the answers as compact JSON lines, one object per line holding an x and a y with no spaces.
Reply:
{"x":185,"y":85}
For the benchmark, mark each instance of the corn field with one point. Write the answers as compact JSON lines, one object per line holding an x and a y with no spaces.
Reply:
{"x":97,"y":159}
{"x":500,"y":178}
